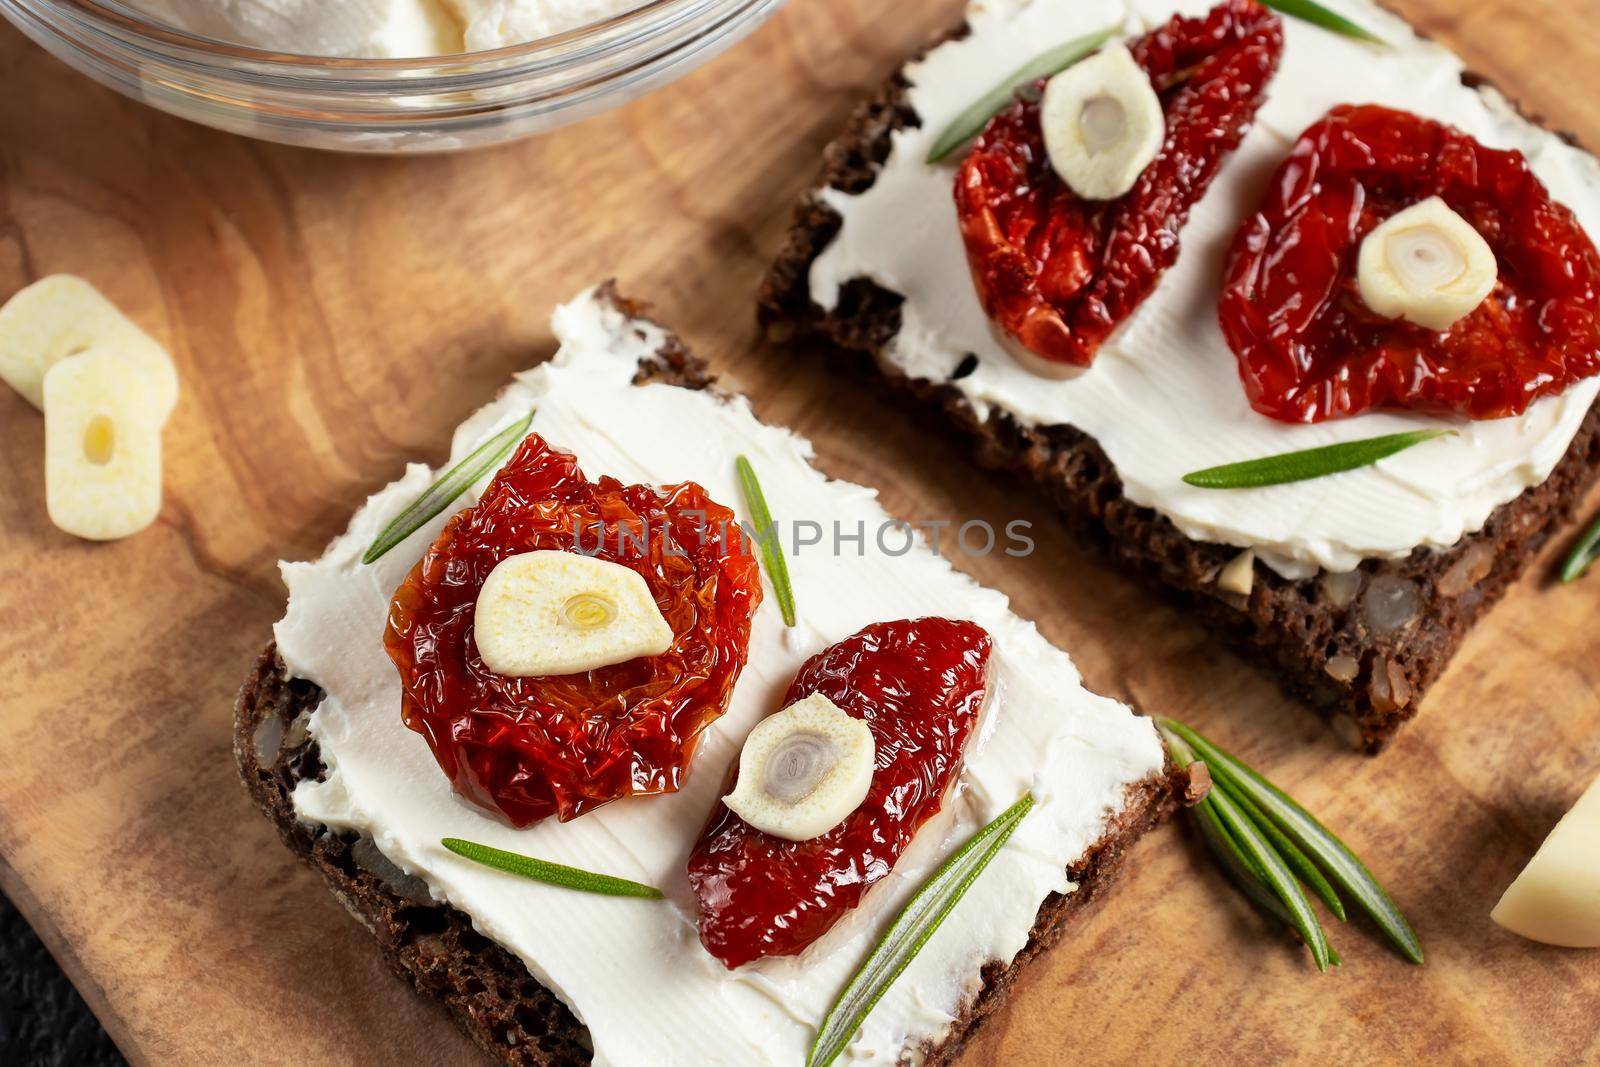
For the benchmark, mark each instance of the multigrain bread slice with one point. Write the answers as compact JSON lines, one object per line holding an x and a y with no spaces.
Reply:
{"x":487,"y":990}
{"x":1361,"y":652}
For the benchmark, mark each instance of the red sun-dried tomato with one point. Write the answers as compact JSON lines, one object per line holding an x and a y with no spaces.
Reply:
{"x":1310,"y":349}
{"x":1059,"y":273}
{"x":530,"y":748}
{"x":919,"y":684}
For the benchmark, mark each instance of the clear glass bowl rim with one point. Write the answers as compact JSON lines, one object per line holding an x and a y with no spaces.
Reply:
{"x":122,"y":22}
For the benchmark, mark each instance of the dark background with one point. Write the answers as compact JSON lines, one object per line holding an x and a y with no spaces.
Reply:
{"x":43,"y":1021}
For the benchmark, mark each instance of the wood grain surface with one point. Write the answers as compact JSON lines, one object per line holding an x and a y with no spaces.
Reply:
{"x":333,"y":317}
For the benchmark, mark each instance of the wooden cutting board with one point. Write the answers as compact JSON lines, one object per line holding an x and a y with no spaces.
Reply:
{"x":333,"y":317}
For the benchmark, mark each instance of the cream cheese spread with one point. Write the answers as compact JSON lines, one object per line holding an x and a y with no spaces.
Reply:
{"x":1163,"y":397}
{"x":634,"y":971}
{"x":381,"y":28}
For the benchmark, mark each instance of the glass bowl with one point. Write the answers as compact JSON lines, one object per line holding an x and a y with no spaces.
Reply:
{"x":431,"y":104}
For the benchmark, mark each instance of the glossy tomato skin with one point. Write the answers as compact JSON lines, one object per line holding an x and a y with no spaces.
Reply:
{"x":530,"y":748}
{"x":1058,"y":274}
{"x":920,"y":686}
{"x":1308,"y":347}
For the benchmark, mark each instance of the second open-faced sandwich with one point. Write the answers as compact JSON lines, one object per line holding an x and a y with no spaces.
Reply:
{"x":1298,"y":319}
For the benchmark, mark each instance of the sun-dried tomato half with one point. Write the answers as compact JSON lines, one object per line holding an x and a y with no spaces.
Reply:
{"x":919,"y":684}
{"x":1310,"y":349}
{"x":1058,"y":273}
{"x":530,"y":748}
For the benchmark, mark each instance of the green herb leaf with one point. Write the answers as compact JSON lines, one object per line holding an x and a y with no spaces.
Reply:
{"x":452,"y":484}
{"x":767,"y":536}
{"x":1343,"y":867}
{"x":1219,"y":838}
{"x":1248,"y":856}
{"x":1583,"y":553}
{"x":1237,"y":866}
{"x":1297,"y":860}
{"x":967,"y":125}
{"x":1317,"y":15}
{"x":909,"y":932}
{"x":1274,"y":872}
{"x":550,"y":873}
{"x":1225,"y":847}
{"x":1309,"y":463}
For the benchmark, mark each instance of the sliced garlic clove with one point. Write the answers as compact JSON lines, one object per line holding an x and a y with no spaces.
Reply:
{"x":1426,"y":265}
{"x":803,"y":770}
{"x":547,"y":612}
{"x":1239,"y":574}
{"x":1556,"y":898}
{"x":102,"y":445}
{"x":1102,"y":124}
{"x":63,"y":315}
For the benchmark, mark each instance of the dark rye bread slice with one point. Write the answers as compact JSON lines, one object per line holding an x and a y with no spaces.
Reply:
{"x":486,"y":989}
{"x":1363,"y":652}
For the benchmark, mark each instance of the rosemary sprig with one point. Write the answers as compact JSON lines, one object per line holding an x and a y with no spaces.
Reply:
{"x":1308,"y":463}
{"x":1583,"y":554}
{"x":550,"y":873}
{"x":1331,"y":855}
{"x":967,"y":125}
{"x":909,"y":932}
{"x":1317,"y":15}
{"x":1230,"y":826}
{"x":767,"y":536}
{"x":450,"y":485}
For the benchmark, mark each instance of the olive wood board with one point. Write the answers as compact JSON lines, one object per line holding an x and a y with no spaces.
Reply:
{"x":334,"y":316}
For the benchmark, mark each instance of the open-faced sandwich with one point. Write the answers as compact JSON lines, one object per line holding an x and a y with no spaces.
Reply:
{"x":615,"y":790}
{"x":1293,"y":314}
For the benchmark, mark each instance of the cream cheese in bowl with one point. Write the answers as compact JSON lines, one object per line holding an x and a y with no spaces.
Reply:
{"x":379,"y":29}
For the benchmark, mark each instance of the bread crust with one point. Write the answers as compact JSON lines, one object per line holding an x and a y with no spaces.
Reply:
{"x":1367,"y":681}
{"x":486,"y":989}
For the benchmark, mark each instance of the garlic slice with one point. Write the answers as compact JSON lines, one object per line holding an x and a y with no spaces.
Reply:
{"x":1427,"y":265}
{"x":803,"y":770}
{"x":63,"y":315}
{"x":102,"y":445}
{"x":1102,"y":123}
{"x":550,"y":612}
{"x":1556,"y":898}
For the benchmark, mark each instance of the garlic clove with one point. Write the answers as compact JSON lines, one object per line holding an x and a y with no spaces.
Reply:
{"x":1556,"y":898}
{"x":546,"y":612}
{"x":1102,"y":123}
{"x":63,"y":315}
{"x":803,"y":770}
{"x":102,"y":445}
{"x":1426,"y":265}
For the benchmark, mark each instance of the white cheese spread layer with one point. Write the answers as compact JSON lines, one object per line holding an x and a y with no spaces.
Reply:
{"x":381,"y":29}
{"x":634,"y":971}
{"x":1163,"y":397}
